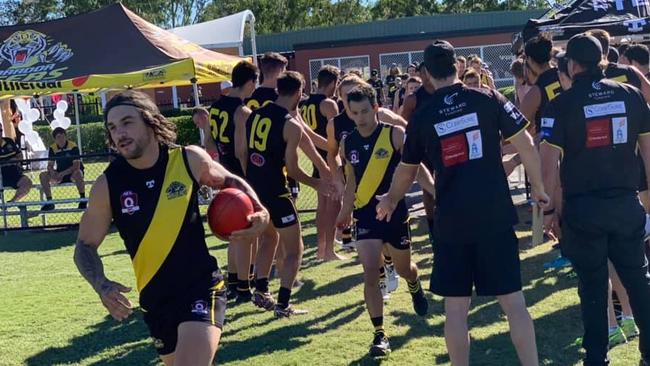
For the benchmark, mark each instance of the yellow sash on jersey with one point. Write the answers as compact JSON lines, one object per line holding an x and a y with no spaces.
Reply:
{"x":376,"y":168}
{"x":167,"y":220}
{"x":620,"y":79}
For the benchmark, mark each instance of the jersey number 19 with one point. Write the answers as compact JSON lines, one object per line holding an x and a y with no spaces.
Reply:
{"x":259,"y":133}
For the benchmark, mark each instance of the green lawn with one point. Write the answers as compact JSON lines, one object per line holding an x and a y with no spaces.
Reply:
{"x":50,"y":316}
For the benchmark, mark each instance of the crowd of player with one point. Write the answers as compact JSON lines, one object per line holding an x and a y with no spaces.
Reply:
{"x":368,"y":144}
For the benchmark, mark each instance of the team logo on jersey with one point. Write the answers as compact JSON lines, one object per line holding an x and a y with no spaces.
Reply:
{"x":175,"y":190}
{"x":450,"y":99}
{"x":405,"y":241}
{"x":354,"y":157}
{"x":200,"y":307}
{"x":381,"y":153}
{"x":257,"y":159}
{"x":129,"y":202}
{"x":344,"y":134}
{"x":150,"y":183}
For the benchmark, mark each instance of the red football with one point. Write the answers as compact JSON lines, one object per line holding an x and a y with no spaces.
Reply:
{"x":229,"y":212}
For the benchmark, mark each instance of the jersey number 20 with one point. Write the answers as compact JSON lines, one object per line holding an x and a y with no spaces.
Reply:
{"x":309,"y":115}
{"x":259,"y":133}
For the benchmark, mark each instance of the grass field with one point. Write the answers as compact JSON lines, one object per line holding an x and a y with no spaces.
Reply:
{"x":50,"y":316}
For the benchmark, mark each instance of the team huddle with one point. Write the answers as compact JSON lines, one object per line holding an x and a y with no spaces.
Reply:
{"x":447,"y":135}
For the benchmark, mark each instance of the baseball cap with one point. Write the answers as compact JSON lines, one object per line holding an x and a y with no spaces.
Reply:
{"x":226,"y":84}
{"x":439,"y":53}
{"x":584,"y":48}
{"x":374,"y":72}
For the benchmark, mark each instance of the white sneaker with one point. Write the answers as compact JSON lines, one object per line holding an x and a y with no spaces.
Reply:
{"x":384,"y":293}
{"x":392,"y":278}
{"x":349,"y":247}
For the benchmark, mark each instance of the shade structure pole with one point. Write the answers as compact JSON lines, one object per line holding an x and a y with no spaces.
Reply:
{"x":251,"y":21}
{"x":175,"y":97}
{"x":76,"y":117}
{"x":197,"y":103}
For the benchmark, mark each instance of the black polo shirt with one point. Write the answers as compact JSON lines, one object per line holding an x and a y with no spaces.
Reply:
{"x":460,"y":132}
{"x":64,"y":156}
{"x":596,"y":124}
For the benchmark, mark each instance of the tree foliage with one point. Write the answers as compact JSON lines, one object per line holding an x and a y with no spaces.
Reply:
{"x":272,"y":16}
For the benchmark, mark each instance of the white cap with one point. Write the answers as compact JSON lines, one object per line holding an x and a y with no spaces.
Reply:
{"x":226,"y":84}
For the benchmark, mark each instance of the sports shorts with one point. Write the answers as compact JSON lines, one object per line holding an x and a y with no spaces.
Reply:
{"x":396,"y":233}
{"x":205,"y":304}
{"x":489,"y":265}
{"x":11,"y":175}
{"x":283,"y":212}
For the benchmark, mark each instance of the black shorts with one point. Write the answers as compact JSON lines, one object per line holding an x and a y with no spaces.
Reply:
{"x":397,"y":232}
{"x":11,"y":175}
{"x":283,"y":212}
{"x":206,"y":305}
{"x":490,"y":265}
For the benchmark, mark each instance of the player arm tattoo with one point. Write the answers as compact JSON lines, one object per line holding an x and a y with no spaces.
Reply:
{"x":234,"y":181}
{"x":90,"y":265}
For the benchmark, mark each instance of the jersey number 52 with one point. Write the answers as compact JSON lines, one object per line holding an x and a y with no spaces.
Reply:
{"x":219,"y":129}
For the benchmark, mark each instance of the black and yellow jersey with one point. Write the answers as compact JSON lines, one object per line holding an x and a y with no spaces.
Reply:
{"x":343,"y":126}
{"x":623,"y":74}
{"x":312,"y":115}
{"x":156,"y":212}
{"x":266,"y":150}
{"x":261,"y":96}
{"x":373,"y":160}
{"x":549,"y":86}
{"x":64,"y":156}
{"x":8,"y":148}
{"x":222,"y":127}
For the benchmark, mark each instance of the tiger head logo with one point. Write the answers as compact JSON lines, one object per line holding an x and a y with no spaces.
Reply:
{"x":28,"y":48}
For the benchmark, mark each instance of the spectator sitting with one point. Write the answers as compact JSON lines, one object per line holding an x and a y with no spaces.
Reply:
{"x":65,"y":154}
{"x":12,"y":174}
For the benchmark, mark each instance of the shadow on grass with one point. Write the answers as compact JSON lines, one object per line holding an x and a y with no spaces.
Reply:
{"x":289,"y":337}
{"x":18,"y":242}
{"x":131,"y":337}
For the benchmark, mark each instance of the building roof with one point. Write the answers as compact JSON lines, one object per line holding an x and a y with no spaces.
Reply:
{"x":399,"y":29}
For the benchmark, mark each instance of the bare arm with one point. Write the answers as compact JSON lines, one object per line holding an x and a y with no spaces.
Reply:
{"x":645,"y":84}
{"x":402,"y":180}
{"x":293,"y":136}
{"x":409,"y":106}
{"x":344,"y":218}
{"x":531,"y":103}
{"x":212,"y":174}
{"x":241,"y":149}
{"x":93,"y":228}
{"x":208,"y":141}
{"x":550,"y":156}
{"x":307,"y":146}
{"x":387,"y":116}
{"x":523,"y":142}
{"x":316,"y":139}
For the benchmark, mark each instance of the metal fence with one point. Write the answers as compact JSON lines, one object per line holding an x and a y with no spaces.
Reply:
{"x":498,"y":57}
{"x":346,"y":64}
{"x":27,"y":213}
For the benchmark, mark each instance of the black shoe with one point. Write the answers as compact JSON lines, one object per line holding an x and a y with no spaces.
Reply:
{"x":243,"y":297}
{"x":48,"y":207}
{"x":82,"y":205}
{"x":231,"y":293}
{"x":380,"y":346}
{"x":420,"y":303}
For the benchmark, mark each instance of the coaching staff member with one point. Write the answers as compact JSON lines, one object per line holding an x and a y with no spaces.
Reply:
{"x":594,"y":127}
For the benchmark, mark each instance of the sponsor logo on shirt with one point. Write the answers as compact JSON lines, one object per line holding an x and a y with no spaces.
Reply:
{"x":405,"y":241}
{"x":129,"y":202}
{"x":548,"y":122}
{"x":381,"y":153}
{"x":604,"y":109}
{"x":454,"y":150}
{"x":158,"y":343}
{"x":597,"y":85}
{"x":175,"y":190}
{"x":456,"y":124}
{"x":288,"y":219}
{"x":619,"y":129}
{"x":475,"y":144}
{"x":449,"y":99}
{"x":257,"y":159}
{"x":354,"y":157}
{"x":362,"y":231}
{"x":598,"y":133}
{"x":150,"y":183}
{"x":200,"y":307}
